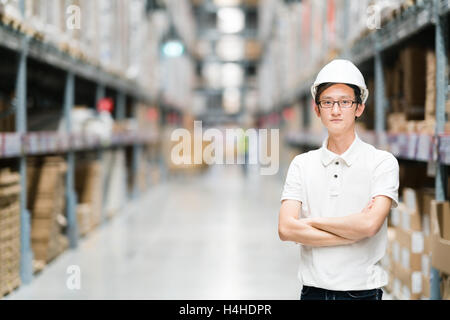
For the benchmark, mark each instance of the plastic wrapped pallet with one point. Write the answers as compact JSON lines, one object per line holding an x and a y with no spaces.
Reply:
{"x":114,"y":181}
{"x":9,"y":231}
{"x":46,"y":186}
{"x":84,"y":215}
{"x":89,"y":188}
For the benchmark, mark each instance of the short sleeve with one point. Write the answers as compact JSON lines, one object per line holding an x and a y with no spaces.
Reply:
{"x":385,"y":180}
{"x":293,"y":187}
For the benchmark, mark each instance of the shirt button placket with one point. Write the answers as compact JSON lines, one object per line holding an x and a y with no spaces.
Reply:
{"x":335,"y":179}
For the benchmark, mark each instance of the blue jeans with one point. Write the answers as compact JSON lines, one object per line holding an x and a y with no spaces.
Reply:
{"x":312,"y":293}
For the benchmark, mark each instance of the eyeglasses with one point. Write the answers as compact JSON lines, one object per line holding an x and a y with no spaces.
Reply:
{"x":344,"y":104}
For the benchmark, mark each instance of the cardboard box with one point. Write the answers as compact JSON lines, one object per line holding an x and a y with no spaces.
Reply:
{"x":426,"y":287}
{"x":396,"y":251}
{"x":413,"y":62}
{"x":410,"y":199}
{"x":395,"y":216}
{"x":411,"y":261}
{"x":426,"y":264}
{"x":440,"y":247}
{"x":411,"y":220}
{"x":41,"y":229}
{"x":397,"y":288}
{"x":408,"y":295}
{"x":426,"y":196}
{"x":426,"y":225}
{"x":427,"y":245}
{"x":418,"y":200}
{"x":412,"y":240}
{"x":446,"y":225}
{"x":410,"y":279}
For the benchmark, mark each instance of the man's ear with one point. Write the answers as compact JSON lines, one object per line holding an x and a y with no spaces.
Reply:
{"x":360,"y":109}
{"x":317,"y":110}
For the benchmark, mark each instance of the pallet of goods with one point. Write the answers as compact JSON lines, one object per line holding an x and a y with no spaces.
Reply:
{"x":46,"y":186}
{"x":9,"y":231}
{"x":408,"y":258}
{"x":440,"y":243}
{"x":89,"y":188}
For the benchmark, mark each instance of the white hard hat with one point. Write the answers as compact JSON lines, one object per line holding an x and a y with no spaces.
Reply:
{"x":341,"y":71}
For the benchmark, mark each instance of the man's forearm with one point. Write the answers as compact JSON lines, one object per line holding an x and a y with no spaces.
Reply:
{"x":355,"y":227}
{"x":301,"y":232}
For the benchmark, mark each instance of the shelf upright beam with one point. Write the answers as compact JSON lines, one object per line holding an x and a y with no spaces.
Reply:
{"x":121,"y":104}
{"x":441,"y":43}
{"x":136,"y":158}
{"x":100,"y":94}
{"x":26,"y":253}
{"x":380,"y":95}
{"x":71,"y":196}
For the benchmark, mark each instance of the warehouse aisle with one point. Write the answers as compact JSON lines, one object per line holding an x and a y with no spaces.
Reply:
{"x":209,"y":237}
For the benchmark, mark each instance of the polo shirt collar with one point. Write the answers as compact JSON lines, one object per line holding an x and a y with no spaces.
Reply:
{"x":348,"y":156}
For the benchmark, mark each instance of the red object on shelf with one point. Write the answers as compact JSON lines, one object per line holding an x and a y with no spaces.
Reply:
{"x":105,"y":104}
{"x":288,"y":113}
{"x":152,"y":114}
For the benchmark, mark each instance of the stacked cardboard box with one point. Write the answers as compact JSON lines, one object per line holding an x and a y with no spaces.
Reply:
{"x":252,"y":50}
{"x":440,"y":243}
{"x":46,"y":186}
{"x":411,"y":92}
{"x":413,"y":60}
{"x":89,"y":188}
{"x":84,"y":215}
{"x":397,"y":122}
{"x":409,"y":250}
{"x":118,"y":35}
{"x":430,"y":102}
{"x":9,"y":231}
{"x":387,"y":263}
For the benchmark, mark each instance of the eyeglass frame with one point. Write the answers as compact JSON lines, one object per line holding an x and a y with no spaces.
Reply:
{"x":339,"y":104}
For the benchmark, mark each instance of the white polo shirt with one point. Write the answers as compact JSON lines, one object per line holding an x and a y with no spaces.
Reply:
{"x":329,"y":185}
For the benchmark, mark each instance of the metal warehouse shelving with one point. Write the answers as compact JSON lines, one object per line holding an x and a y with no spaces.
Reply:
{"x":21,"y":144}
{"x":415,"y":147}
{"x":48,"y":53}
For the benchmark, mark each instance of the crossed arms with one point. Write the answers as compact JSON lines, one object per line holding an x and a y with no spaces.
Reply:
{"x":332,"y":231}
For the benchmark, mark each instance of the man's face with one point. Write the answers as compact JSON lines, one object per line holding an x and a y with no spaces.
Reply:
{"x":337,"y":119}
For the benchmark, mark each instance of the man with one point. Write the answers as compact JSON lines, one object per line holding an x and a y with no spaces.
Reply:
{"x":336,"y":199}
